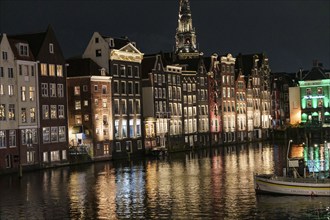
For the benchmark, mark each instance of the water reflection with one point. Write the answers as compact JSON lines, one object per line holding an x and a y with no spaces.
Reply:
{"x":208,"y":184}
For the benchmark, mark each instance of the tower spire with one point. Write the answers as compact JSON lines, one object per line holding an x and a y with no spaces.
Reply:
{"x":185,"y":33}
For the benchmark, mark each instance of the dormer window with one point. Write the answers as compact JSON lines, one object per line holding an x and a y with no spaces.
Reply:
{"x":96,"y":40}
{"x":51,"y":48}
{"x":112,"y":42}
{"x":23,"y":49}
{"x":102,"y":72}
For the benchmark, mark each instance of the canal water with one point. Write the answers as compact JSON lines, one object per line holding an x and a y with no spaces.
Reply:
{"x":206,"y":184}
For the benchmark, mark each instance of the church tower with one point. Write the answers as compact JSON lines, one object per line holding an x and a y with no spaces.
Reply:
{"x":185,"y":37}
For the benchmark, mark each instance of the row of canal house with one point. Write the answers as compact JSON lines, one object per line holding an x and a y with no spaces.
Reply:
{"x":33,"y":114}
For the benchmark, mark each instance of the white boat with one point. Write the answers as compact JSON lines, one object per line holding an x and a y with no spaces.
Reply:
{"x":271,"y":184}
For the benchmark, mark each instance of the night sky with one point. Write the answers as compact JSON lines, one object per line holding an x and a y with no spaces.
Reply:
{"x":292,"y":33}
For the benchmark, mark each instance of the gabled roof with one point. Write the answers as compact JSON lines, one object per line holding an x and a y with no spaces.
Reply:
{"x":83,"y":67}
{"x":13,"y":43}
{"x":118,"y":42}
{"x":35,"y":41}
{"x":316,"y":73}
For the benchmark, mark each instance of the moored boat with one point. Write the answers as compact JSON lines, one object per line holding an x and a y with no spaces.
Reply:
{"x":272,"y":184}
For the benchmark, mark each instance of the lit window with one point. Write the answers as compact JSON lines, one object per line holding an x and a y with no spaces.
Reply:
{"x":104,"y":103}
{"x":45,"y":112}
{"x":77,"y":90}
{"x":51,"y":69}
{"x":77,"y":119}
{"x":86,"y":117}
{"x":59,"y":70}
{"x":77,"y":105}
{"x":43,"y":69}
{"x":31,"y":93}
{"x":2,"y":112}
{"x":2,"y":90}
{"x":23,"y":115}
{"x":33,"y":114}
{"x":124,"y":128}
{"x":10,"y":90}
{"x":11,"y":112}
{"x":53,"y":111}
{"x":23,"y":94}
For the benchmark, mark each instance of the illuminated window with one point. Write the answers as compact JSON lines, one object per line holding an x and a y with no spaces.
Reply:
{"x":10,"y":90}
{"x":320,"y":103}
{"x":131,"y":128}
{"x":86,"y":117}
{"x":45,"y":112}
{"x":309,"y":103}
{"x":319,"y":90}
{"x":77,"y":119}
{"x":2,"y":90}
{"x":2,"y":112}
{"x":23,"y":94}
{"x":308,"y":91}
{"x":117,"y":128}
{"x":59,"y":70}
{"x":77,"y":90}
{"x":53,"y":111}
{"x":51,"y":69}
{"x":31,"y":93}
{"x":33,"y":114}
{"x":124,"y":128}
{"x":77,"y":105}
{"x":11,"y":112}
{"x":43,"y":69}
{"x":104,"y":103}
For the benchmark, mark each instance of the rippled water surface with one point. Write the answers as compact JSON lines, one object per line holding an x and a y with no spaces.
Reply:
{"x":208,"y":184}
